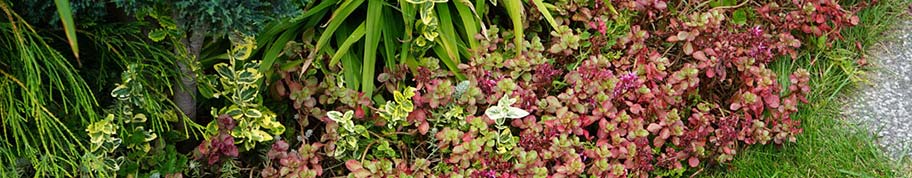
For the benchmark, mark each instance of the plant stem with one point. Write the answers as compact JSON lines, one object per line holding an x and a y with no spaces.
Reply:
{"x":185,"y":91}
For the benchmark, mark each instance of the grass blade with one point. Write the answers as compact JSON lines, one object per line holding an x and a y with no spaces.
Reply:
{"x":481,"y":8}
{"x":66,"y":16}
{"x":439,"y":49}
{"x":336,"y":20}
{"x":468,"y":16}
{"x":272,"y":54}
{"x":545,"y":13}
{"x":408,"y":17}
{"x":349,"y":59}
{"x":392,"y":32}
{"x":351,"y":67}
{"x":371,"y":42}
{"x":514,"y":10}
{"x":351,"y":40}
{"x":277,"y":27}
{"x":319,"y":8}
{"x":447,"y":40}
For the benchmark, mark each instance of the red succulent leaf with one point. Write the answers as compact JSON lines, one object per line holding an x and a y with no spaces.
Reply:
{"x":423,"y":128}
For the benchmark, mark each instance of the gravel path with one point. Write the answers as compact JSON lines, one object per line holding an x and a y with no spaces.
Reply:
{"x":884,"y":105}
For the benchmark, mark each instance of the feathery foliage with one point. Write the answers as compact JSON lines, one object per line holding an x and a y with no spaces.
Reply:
{"x":44,"y":98}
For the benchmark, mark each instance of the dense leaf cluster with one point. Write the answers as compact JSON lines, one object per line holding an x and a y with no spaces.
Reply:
{"x":468,"y":88}
{"x":616,"y":89}
{"x":223,"y":17}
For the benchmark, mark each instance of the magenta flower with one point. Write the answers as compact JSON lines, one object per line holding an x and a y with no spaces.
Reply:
{"x":599,"y":25}
{"x":756,"y":31}
{"x":485,"y":174}
{"x":761,"y":49}
{"x":487,"y":83}
{"x":628,"y":81}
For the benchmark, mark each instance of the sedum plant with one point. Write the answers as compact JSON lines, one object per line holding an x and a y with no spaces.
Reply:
{"x":287,"y":162}
{"x":611,"y":97}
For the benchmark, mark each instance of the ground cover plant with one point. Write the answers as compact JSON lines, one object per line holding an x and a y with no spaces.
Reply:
{"x":830,"y":147}
{"x":508,"y":88}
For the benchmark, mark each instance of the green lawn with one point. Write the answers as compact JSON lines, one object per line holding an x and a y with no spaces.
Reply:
{"x":830,"y":146}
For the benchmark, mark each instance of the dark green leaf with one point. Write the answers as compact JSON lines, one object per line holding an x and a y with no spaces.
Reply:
{"x":272,"y":54}
{"x":253,"y":113}
{"x":246,"y":77}
{"x":247,"y":94}
{"x":224,"y":71}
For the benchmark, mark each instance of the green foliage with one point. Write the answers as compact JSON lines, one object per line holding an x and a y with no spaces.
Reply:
{"x":349,"y":135}
{"x":139,"y":102}
{"x":188,"y":23}
{"x":421,"y":26}
{"x":139,"y":112}
{"x":169,"y":162}
{"x":44,"y":100}
{"x":127,"y":119}
{"x":169,"y":28}
{"x":138,"y":97}
{"x":571,"y":88}
{"x":83,"y":12}
{"x":102,"y":143}
{"x":395,"y":112}
{"x":101,"y":135}
{"x":830,"y":147}
{"x":238,"y":81}
{"x":107,"y":159}
{"x":223,"y":17}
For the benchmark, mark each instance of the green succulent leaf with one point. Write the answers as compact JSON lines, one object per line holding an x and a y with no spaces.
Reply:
{"x":739,"y":17}
{"x":461,"y":88}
